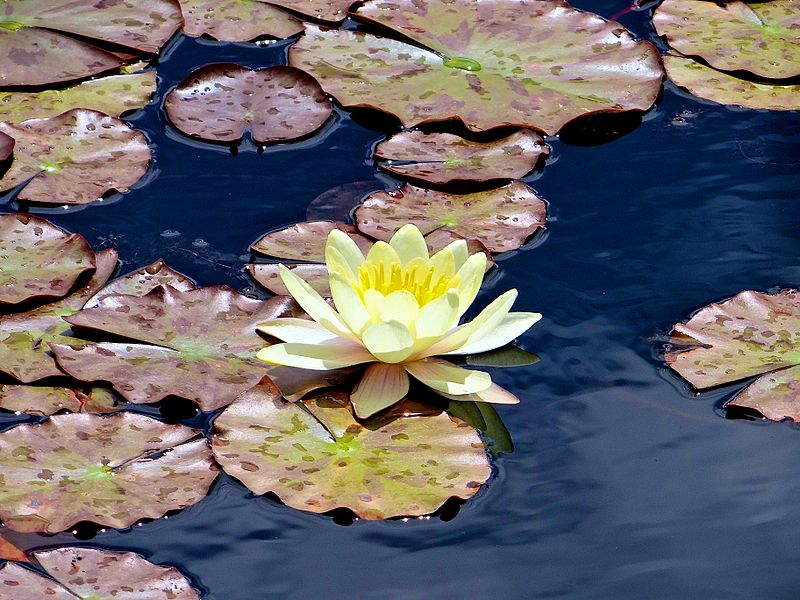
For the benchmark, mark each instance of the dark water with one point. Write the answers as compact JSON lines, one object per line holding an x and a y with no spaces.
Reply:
{"x":623,"y":484}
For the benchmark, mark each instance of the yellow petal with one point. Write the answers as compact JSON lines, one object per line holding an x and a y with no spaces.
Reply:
{"x":348,"y":249}
{"x":349,"y":304}
{"x":381,"y":252}
{"x":337,"y":263}
{"x":435,"y":319}
{"x":490,"y":336}
{"x":381,"y":386}
{"x":471,"y":277}
{"x":448,"y":378}
{"x":389,"y":342}
{"x":373,"y":300}
{"x":409,"y":244}
{"x":400,"y":306}
{"x":297,"y":330}
{"x":457,"y":250}
{"x":318,"y":357}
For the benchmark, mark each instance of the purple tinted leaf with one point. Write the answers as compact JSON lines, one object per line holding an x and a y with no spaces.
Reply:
{"x":140,"y":282}
{"x":306,"y":241}
{"x":237,"y":20}
{"x":6,"y":146}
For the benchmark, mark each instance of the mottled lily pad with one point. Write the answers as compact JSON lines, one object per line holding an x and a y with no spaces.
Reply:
{"x":440,"y":238}
{"x":444,"y":157}
{"x":752,"y":334}
{"x":218,"y":102}
{"x":708,"y":83}
{"x":38,"y":259}
{"x":502,"y":219}
{"x":531,"y":63}
{"x":325,"y":10}
{"x":237,"y":20}
{"x":113,"y":96}
{"x":90,"y":574}
{"x":759,"y":37}
{"x":306,"y":241}
{"x":34,"y":49}
{"x":9,"y":551}
{"x":268,"y":276}
{"x":200,"y":344}
{"x":24,"y":336}
{"x":109,"y":470}
{"x":48,"y":400}
{"x":74,"y":158}
{"x":6,"y":146}
{"x":141,"y":281}
{"x":316,"y":457}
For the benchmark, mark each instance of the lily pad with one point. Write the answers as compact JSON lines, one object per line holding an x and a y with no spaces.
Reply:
{"x":90,"y":574}
{"x":219,"y":101}
{"x":38,"y":259}
{"x":6,"y":146}
{"x":530,"y":63}
{"x":268,"y":276}
{"x":48,"y":400}
{"x":333,"y":11}
{"x":501,"y":219}
{"x":759,"y":37}
{"x":237,"y":20}
{"x":440,"y":238}
{"x":113,"y":96}
{"x":316,"y":457}
{"x":708,"y":83}
{"x":34,"y":49}
{"x":24,"y":336}
{"x":306,"y":241}
{"x":9,"y":551}
{"x":200,"y":345}
{"x":752,"y":334}
{"x":141,"y":281}
{"x":108,"y":470}
{"x":74,"y":158}
{"x":444,"y":157}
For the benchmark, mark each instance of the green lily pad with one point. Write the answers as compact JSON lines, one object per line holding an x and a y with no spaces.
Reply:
{"x":268,"y":276}
{"x":708,"y":83}
{"x":48,"y":400}
{"x":529,"y":63}
{"x":200,"y":344}
{"x":501,"y":219}
{"x":141,"y":281}
{"x":237,"y":20}
{"x":443,"y":157}
{"x":74,"y":158}
{"x":316,"y":457}
{"x":306,"y":241}
{"x":24,"y":337}
{"x":751,"y":335}
{"x":333,"y":11}
{"x":6,"y":146}
{"x":91,"y":574}
{"x":759,"y":37}
{"x":38,"y":259}
{"x":109,"y":470}
{"x":217,"y":102}
{"x":113,"y":96}
{"x":34,"y":49}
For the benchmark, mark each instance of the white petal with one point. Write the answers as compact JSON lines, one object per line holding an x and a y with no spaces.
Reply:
{"x":488,"y":338}
{"x":459,"y":251}
{"x":381,"y":252}
{"x":409,"y":244}
{"x":448,"y":378}
{"x":349,"y":304}
{"x":297,"y":330}
{"x":381,"y":386}
{"x":318,"y":357}
{"x":389,"y":342}
{"x":471,"y":276}
{"x":399,"y":306}
{"x":435,"y":319}
{"x":337,"y":264}
{"x":346,"y":247}
{"x":494,"y":394}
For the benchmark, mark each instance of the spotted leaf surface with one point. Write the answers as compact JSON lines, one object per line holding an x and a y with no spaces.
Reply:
{"x":532,"y":63}
{"x":325,"y":10}
{"x":6,"y":146}
{"x":752,"y":334}
{"x":708,"y":83}
{"x":108,"y":470}
{"x":74,"y":158}
{"x":113,"y":96}
{"x":501,"y":219}
{"x":38,"y":259}
{"x":219,"y":101}
{"x":306,"y":241}
{"x":268,"y":276}
{"x":48,"y":400}
{"x":141,"y":281}
{"x":760,"y":37}
{"x":199,"y":345}
{"x":444,"y":157}
{"x":24,"y":336}
{"x":316,"y":457}
{"x":237,"y":20}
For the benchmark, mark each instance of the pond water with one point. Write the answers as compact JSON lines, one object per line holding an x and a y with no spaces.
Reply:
{"x":623,"y":483}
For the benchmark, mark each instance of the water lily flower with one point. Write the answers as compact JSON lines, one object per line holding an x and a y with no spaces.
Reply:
{"x":397,"y":309}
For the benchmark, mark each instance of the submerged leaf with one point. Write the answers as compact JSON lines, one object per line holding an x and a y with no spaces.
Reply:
{"x":6,"y":146}
{"x":107,"y":470}
{"x":306,"y":241}
{"x":38,"y":259}
{"x":199,"y":344}
{"x":502,"y":219}
{"x":444,"y":157}
{"x":74,"y":158}
{"x":237,"y":20}
{"x":752,"y":334}
{"x":531,"y":63}
{"x":217,"y":102}
{"x":316,"y":457}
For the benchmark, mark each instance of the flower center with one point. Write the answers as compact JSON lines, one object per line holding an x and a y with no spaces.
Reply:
{"x":421,"y":279}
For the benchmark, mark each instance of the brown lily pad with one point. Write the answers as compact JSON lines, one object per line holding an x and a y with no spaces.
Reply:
{"x":113,"y":96}
{"x":219,"y":101}
{"x":200,"y":344}
{"x":74,"y":158}
{"x":501,"y":219}
{"x":306,"y":241}
{"x":444,"y":157}
{"x":48,"y":400}
{"x":34,"y":49}
{"x":141,"y":281}
{"x":38,"y":259}
{"x":759,"y":37}
{"x":315,"y":456}
{"x":333,"y":11}
{"x":237,"y":20}
{"x":108,"y":470}
{"x":751,"y":335}
{"x":9,"y":551}
{"x":90,"y":574}
{"x":530,"y":63}
{"x":268,"y":276}
{"x":6,"y":146}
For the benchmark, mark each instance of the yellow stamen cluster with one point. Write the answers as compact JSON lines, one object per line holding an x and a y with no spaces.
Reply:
{"x":424,"y":281}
